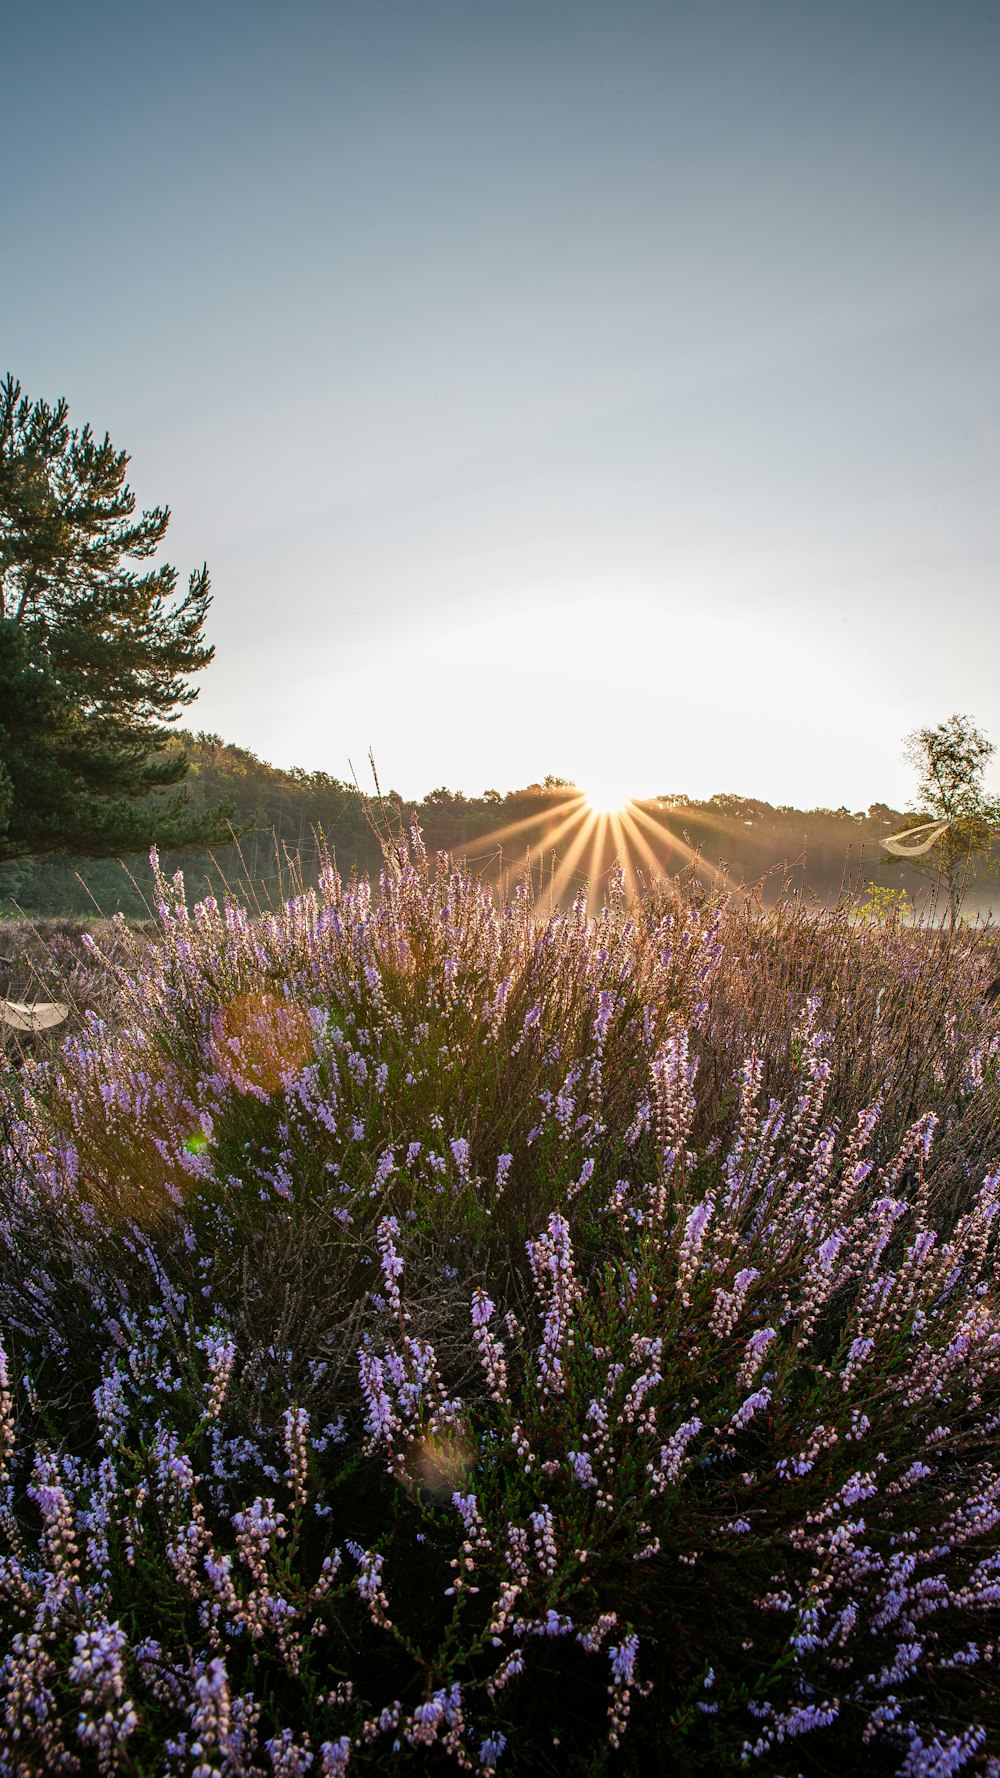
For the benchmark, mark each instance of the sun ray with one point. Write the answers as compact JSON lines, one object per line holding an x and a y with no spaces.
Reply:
{"x":623,"y":855}
{"x":568,"y":863}
{"x":497,"y":835}
{"x":555,"y":835}
{"x":596,"y":859}
{"x":641,"y":844}
{"x":676,"y":843}
{"x":596,"y":829}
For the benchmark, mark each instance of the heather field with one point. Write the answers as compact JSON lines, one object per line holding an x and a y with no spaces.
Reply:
{"x":445,"y":1334}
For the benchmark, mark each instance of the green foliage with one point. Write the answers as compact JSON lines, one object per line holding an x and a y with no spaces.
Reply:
{"x":884,"y":906}
{"x":68,"y":784}
{"x":951,"y":760}
{"x":94,"y":655}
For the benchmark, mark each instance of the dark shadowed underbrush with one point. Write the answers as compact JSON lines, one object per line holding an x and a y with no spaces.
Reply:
{"x":439,"y":1337}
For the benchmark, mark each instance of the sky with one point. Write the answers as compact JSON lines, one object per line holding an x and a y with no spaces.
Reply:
{"x":602,"y":389}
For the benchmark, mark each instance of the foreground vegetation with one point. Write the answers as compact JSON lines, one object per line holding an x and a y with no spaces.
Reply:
{"x":439,"y":1338}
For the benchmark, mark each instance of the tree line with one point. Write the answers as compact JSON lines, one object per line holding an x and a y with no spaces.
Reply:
{"x":284,"y":820}
{"x":97,"y":654}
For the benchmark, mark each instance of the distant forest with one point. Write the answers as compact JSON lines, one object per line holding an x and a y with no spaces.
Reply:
{"x":289,"y":815}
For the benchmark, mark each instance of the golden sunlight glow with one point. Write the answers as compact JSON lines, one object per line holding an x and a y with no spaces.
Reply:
{"x":606,"y":796}
{"x":575,"y":841}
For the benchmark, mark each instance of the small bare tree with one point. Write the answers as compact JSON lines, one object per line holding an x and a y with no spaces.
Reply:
{"x":951,"y":760}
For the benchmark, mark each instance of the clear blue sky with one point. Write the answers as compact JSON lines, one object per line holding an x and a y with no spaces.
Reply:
{"x":603,"y":389}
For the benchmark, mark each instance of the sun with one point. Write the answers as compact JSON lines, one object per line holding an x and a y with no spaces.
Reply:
{"x":577,"y":836}
{"x":606,"y":796}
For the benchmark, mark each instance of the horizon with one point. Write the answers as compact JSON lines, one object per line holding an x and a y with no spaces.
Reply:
{"x":614,"y":388}
{"x":549,"y":783}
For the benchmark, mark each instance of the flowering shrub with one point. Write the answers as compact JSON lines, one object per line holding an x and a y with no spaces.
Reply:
{"x":430,"y":1341}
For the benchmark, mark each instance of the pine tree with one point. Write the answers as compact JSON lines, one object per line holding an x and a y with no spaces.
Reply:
{"x":95,"y":653}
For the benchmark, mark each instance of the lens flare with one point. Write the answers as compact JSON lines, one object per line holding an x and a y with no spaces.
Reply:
{"x":260,"y":1041}
{"x":441,"y":1462}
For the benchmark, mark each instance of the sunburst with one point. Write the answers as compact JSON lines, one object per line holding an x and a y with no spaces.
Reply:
{"x":576,"y":839}
{"x":606,"y":795}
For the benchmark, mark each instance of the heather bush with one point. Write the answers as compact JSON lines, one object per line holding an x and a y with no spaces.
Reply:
{"x":440,"y":1336}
